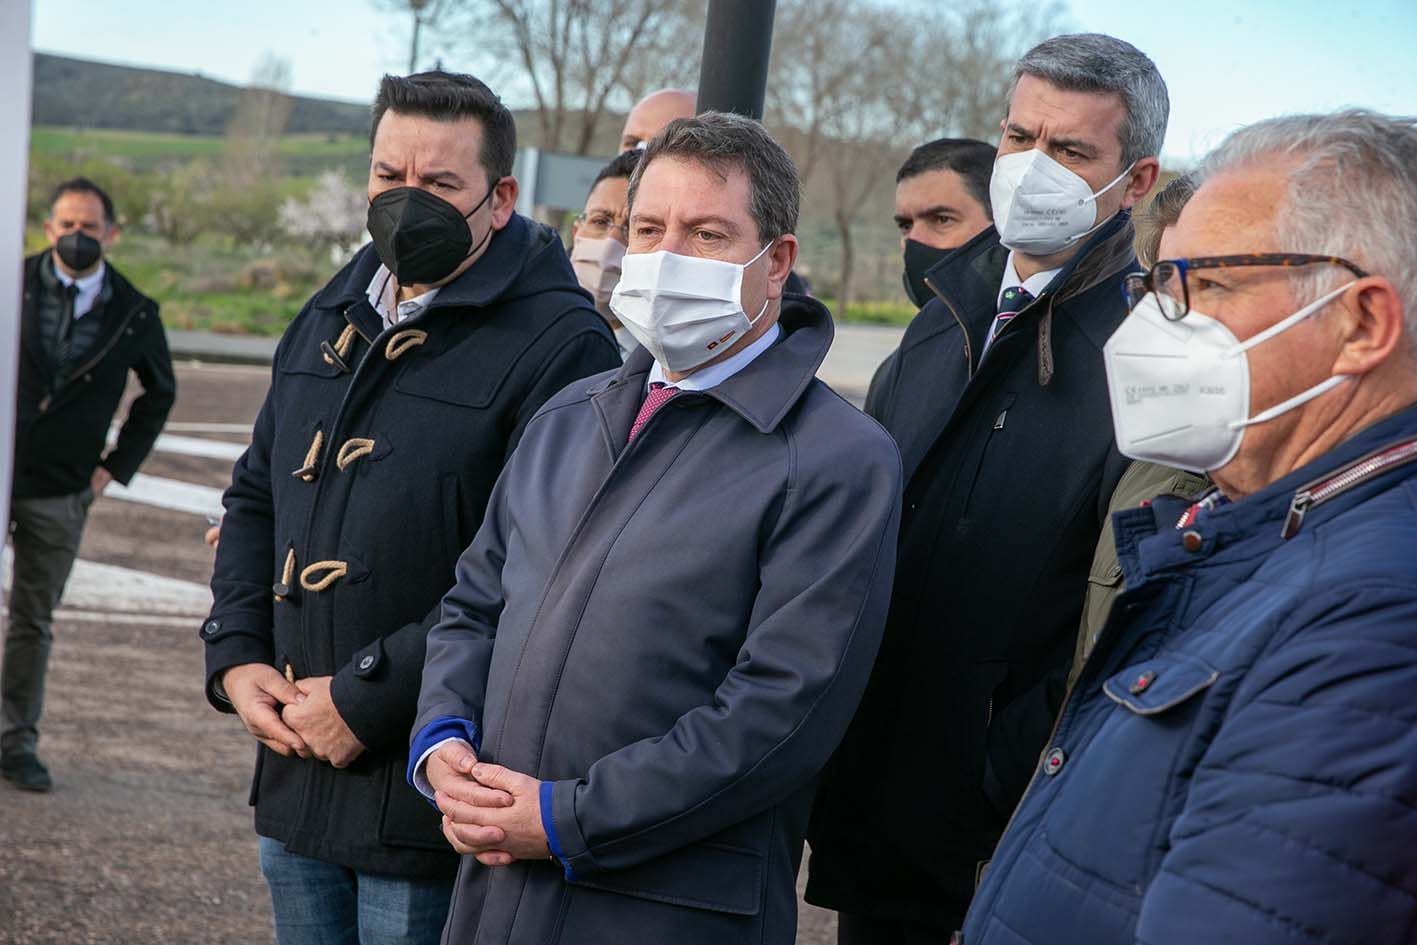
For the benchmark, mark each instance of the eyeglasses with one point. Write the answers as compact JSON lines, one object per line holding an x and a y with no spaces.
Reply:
{"x":599,"y":225}
{"x":1168,"y":277}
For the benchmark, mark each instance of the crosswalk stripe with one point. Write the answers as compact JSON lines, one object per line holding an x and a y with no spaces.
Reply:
{"x":168,"y":494}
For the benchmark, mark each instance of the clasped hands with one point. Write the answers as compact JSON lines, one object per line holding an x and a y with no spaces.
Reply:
{"x":291,"y":718}
{"x":489,"y":812}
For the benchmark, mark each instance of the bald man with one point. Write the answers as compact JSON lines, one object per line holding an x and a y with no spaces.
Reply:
{"x":653,"y":112}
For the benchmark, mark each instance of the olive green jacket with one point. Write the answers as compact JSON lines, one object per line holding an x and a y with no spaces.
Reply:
{"x":1140,"y":483}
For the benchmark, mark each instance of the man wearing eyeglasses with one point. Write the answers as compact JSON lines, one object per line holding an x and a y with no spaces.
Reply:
{"x":598,"y":239}
{"x":998,"y":402}
{"x":1238,"y":760}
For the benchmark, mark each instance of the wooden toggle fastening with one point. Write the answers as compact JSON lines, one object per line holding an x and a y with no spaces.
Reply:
{"x":405,"y":340}
{"x":334,"y":570}
{"x":353,"y":449}
{"x":281,"y":588}
{"x":311,"y":469}
{"x":337,"y":354}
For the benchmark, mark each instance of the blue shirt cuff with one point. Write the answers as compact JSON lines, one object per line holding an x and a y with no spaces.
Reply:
{"x":436,"y":731}
{"x":548,"y":824}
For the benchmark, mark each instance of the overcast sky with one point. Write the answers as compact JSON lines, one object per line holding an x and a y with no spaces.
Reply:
{"x":1226,"y":62}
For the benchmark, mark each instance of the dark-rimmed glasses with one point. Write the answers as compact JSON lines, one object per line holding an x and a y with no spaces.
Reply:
{"x":1168,"y":277}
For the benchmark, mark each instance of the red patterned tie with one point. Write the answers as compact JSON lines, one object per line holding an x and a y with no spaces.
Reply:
{"x":659,"y":395}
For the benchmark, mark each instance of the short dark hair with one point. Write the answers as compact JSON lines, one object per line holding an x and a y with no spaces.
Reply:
{"x":82,"y":185}
{"x":971,"y":159}
{"x":725,"y":142}
{"x":448,"y":96}
{"x":1163,"y":211}
{"x":620,"y":166}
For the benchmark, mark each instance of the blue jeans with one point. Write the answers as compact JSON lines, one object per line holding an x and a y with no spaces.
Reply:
{"x":319,"y":903}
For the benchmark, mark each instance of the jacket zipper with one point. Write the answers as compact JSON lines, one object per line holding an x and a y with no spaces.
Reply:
{"x":968,"y":347}
{"x":88,"y":365}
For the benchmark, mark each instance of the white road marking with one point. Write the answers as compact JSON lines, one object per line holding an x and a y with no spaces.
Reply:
{"x":106,"y":589}
{"x":168,"y":494}
{"x":191,"y":446}
{"x":178,"y":426}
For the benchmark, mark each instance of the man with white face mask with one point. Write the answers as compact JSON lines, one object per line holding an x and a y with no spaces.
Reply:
{"x":670,"y":613}
{"x":598,"y":238}
{"x":1238,"y":759}
{"x":997,"y":398}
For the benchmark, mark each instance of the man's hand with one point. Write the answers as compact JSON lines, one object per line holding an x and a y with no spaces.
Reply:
{"x":258,"y":691}
{"x":99,"y":481}
{"x":212,"y":536}
{"x":496,"y":834}
{"x":316,"y":720}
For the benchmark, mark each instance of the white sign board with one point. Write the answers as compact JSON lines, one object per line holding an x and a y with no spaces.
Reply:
{"x":14,"y":159}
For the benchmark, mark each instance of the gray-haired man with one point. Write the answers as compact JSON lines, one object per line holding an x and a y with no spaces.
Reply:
{"x":671,"y":610}
{"x":998,"y":400}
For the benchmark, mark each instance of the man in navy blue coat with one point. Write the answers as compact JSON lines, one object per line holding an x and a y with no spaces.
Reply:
{"x":1237,"y":761}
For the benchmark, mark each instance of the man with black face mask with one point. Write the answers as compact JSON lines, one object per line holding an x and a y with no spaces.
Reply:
{"x":941,"y":203}
{"x":83,"y":329}
{"x":398,"y":393}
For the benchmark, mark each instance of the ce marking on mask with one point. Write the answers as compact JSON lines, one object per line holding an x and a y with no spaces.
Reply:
{"x":1137,"y":394}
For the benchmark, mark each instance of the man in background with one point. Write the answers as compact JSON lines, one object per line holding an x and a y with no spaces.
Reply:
{"x":941,"y":203}
{"x":83,"y":329}
{"x":598,"y":238}
{"x":652,"y":113}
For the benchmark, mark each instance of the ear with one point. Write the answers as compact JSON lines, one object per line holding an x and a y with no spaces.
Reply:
{"x":50,"y":233}
{"x":1373,"y":328}
{"x":781,"y":258}
{"x":575,"y":228}
{"x":504,"y":201}
{"x":1143,"y":178}
{"x":111,"y":237}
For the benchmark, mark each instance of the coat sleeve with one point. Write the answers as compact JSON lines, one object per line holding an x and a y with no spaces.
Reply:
{"x":589,"y":352}
{"x":239,"y":629}
{"x":1301,"y":818}
{"x":825,"y":577}
{"x":148,"y":413}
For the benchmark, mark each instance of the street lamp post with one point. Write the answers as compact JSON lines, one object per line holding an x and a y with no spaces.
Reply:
{"x":737,"y":46}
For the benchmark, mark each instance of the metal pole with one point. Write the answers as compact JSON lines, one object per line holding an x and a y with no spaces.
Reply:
{"x":14,"y":158}
{"x":737,"y":46}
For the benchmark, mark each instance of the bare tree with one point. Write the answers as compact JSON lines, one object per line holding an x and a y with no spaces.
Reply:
{"x":425,"y":13}
{"x":254,"y":133}
{"x":576,"y":59}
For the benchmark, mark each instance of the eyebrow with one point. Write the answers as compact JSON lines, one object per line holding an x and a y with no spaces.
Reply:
{"x":710,"y":219}
{"x":443,"y":175}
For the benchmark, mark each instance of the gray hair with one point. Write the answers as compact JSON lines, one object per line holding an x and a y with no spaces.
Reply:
{"x":1352,"y":193}
{"x":1094,"y":62}
{"x":726,"y":142}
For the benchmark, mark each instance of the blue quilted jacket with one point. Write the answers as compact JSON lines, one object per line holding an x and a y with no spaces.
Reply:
{"x":1238,"y":760}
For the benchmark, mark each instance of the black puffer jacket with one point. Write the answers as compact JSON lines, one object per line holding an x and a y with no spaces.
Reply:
{"x":368,"y":473}
{"x":1009,"y":464}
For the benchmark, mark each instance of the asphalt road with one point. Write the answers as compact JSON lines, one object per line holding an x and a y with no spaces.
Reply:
{"x":147,"y":837}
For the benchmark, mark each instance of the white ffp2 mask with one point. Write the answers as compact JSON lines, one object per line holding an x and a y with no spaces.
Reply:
{"x":1180,"y":390}
{"x":1041,"y":207}
{"x":684,"y":310}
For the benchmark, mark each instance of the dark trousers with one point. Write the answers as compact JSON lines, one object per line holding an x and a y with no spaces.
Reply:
{"x":854,"y":929}
{"x":45,"y":534}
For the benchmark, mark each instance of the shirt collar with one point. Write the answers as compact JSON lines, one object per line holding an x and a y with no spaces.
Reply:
{"x":85,"y":283}
{"x":709,"y":377}
{"x":1033,"y":285}
{"x":383,"y":296}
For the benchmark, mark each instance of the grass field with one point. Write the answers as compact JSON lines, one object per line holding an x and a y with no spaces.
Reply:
{"x":302,"y":155}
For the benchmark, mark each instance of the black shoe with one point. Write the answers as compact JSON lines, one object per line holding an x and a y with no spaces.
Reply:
{"x":26,"y":772}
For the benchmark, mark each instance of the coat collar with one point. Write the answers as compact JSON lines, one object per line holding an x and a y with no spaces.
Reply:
{"x":1148,"y":541}
{"x":765,"y":391}
{"x":485,"y":281}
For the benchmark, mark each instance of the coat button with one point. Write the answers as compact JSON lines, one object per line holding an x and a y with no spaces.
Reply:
{"x":1142,"y":684}
{"x":1192,"y":541}
{"x":212,"y":626}
{"x":1054,"y":761}
{"x":280,"y":589}
{"x":367,"y":662}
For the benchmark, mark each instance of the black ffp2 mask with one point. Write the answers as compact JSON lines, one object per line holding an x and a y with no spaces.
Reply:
{"x":920,"y":259}
{"x":79,"y":251}
{"x":419,"y":236}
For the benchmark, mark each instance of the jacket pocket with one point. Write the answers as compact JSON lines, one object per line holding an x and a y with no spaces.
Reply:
{"x":1160,"y":685}
{"x":990,"y":441}
{"x":407,"y":818}
{"x":705,"y":894}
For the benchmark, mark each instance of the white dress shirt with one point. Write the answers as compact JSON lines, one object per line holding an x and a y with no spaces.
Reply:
{"x":89,"y":288}
{"x":1033,"y":285}
{"x":383,"y":295}
{"x":706,"y":378}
